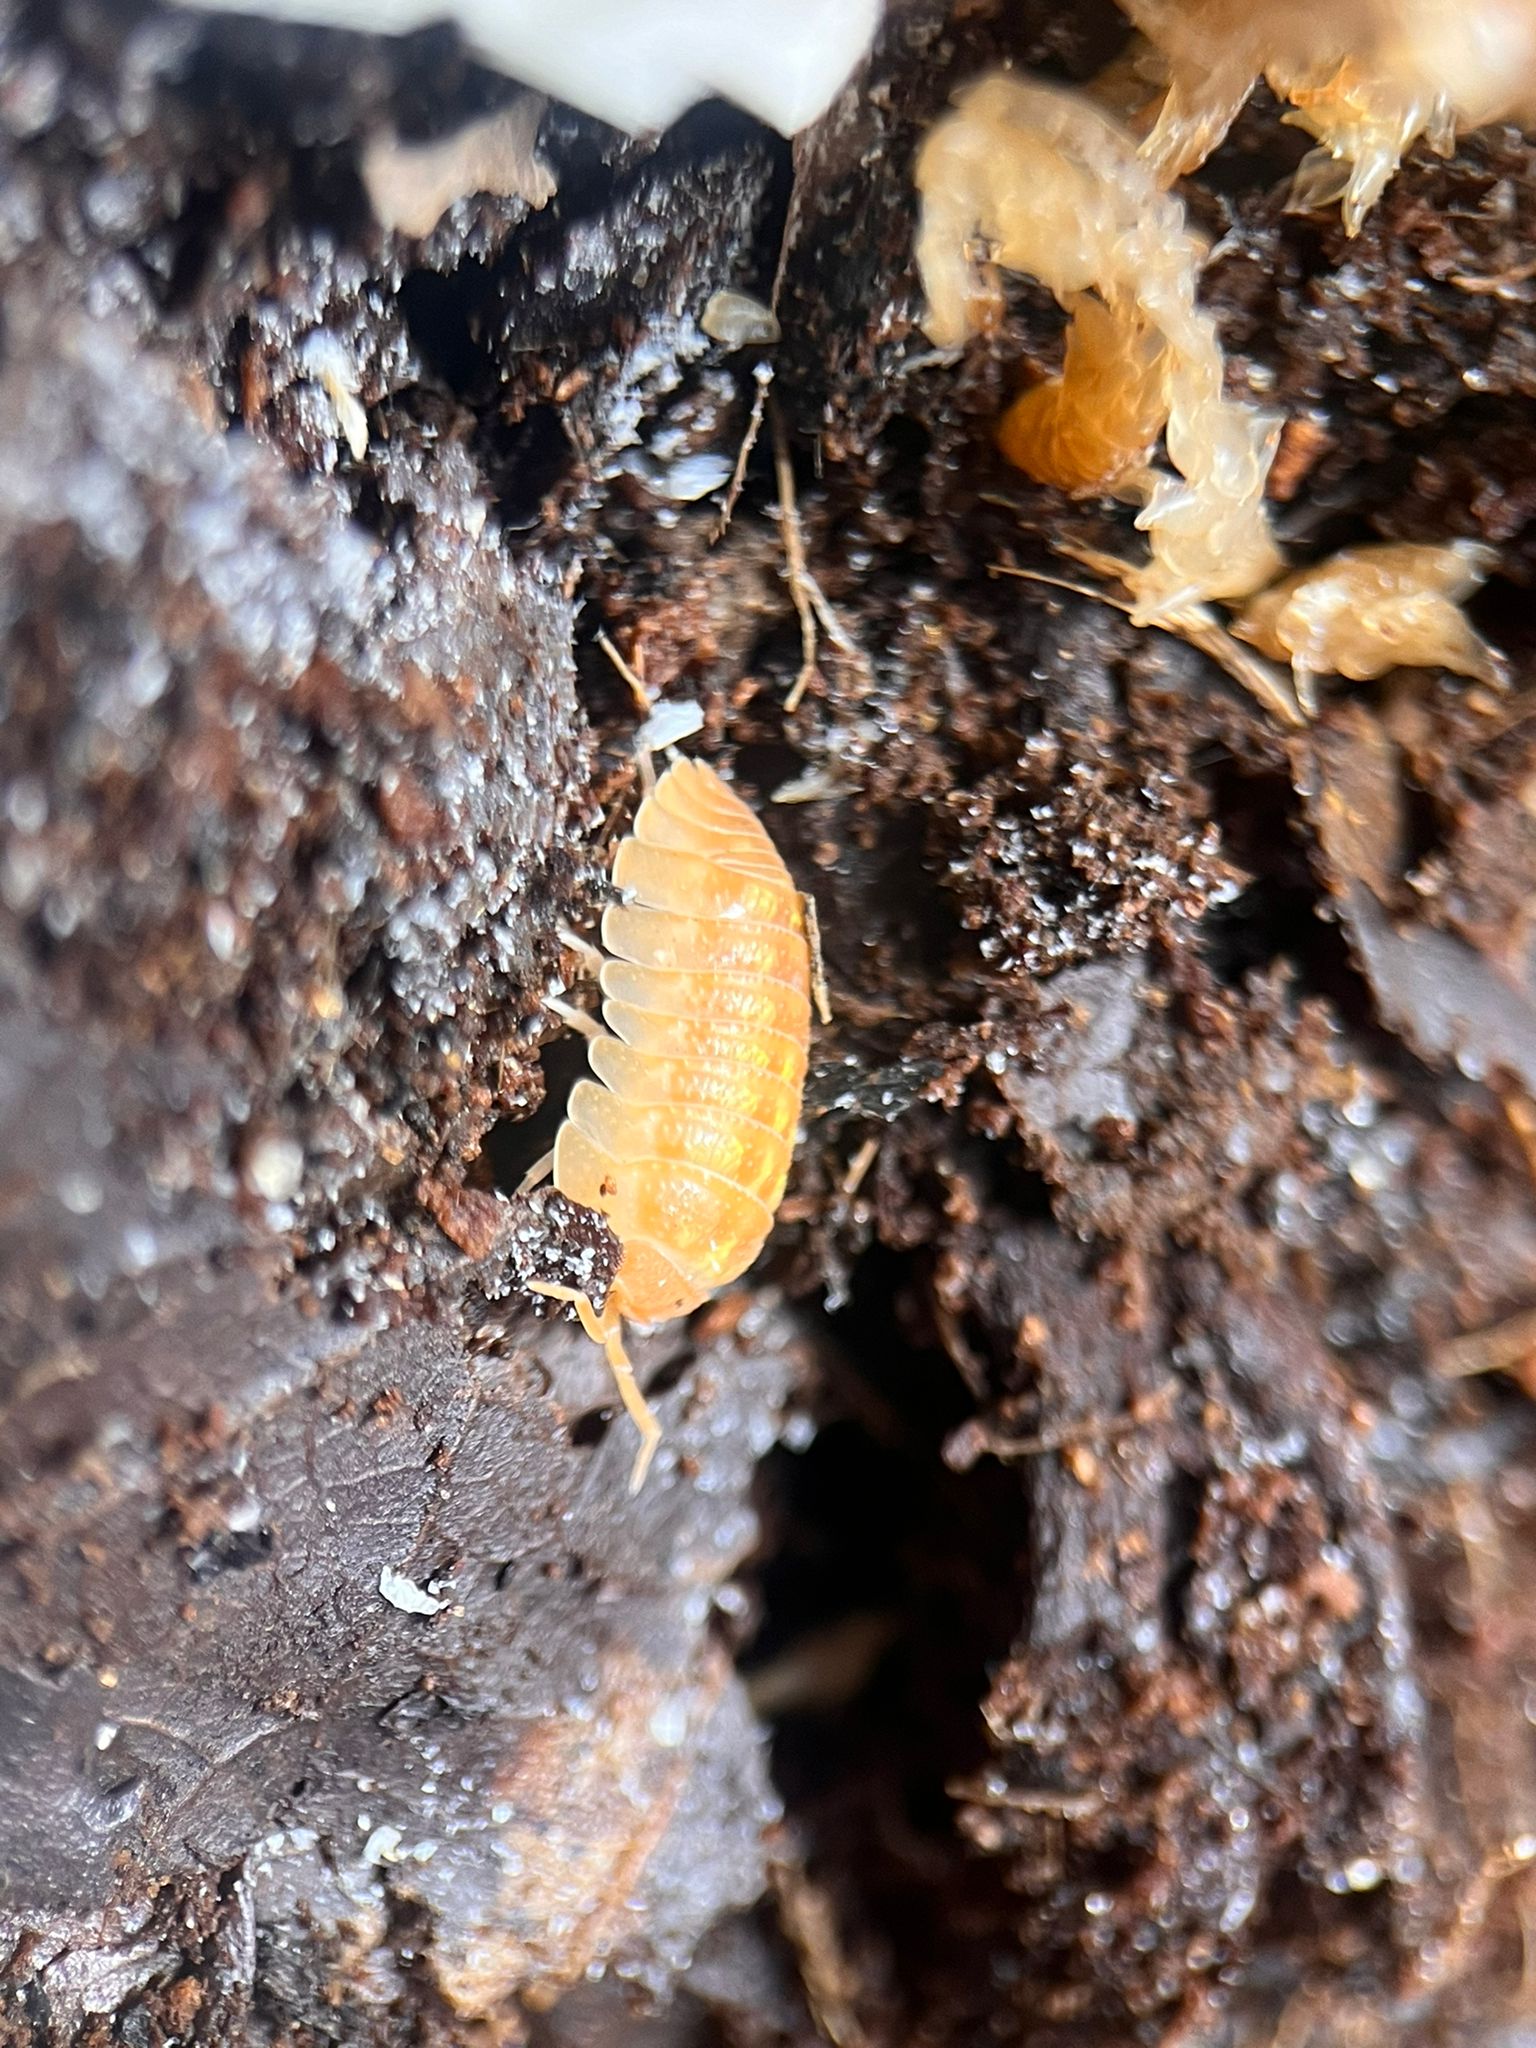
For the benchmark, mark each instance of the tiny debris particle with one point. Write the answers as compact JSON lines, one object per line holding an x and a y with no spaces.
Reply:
{"x":80,"y":1194}
{"x":274,"y":1168}
{"x":405,"y":1594}
{"x":470,"y":1217}
{"x":669,"y":1724}
{"x":736,"y":320}
{"x":325,"y":359}
{"x":388,"y":1845}
{"x":668,"y":724}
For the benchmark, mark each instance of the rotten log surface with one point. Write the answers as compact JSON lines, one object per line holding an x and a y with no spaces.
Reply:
{"x":1133,"y":1623}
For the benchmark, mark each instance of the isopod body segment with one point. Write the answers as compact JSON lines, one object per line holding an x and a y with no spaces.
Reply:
{"x":683,"y":1135}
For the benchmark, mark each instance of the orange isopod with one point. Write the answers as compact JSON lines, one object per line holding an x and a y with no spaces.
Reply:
{"x":683,"y":1139}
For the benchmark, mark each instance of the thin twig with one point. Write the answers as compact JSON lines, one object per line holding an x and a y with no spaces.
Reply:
{"x":1091,"y":1430}
{"x":1498,"y":283}
{"x":858,"y":1168}
{"x":818,"y":962}
{"x":1499,"y":1348}
{"x":794,"y":559}
{"x":811,"y":602}
{"x":1027,"y":1798}
{"x":636,"y":685}
{"x":827,"y":1976}
{"x":764,"y":376}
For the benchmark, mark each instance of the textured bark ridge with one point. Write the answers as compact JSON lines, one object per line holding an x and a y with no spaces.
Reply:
{"x":1082,"y":1597}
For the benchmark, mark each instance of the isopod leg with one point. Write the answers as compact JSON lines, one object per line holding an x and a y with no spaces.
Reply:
{"x":607,"y":1334}
{"x":578,"y":1020}
{"x":589,"y":956}
{"x":639,"y":1409}
{"x":540,"y":1170}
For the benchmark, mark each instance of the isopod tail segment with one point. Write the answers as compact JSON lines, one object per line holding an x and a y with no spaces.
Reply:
{"x":605,"y":1330}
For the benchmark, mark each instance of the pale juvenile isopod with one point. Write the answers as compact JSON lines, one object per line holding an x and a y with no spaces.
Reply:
{"x":683,"y":1138}
{"x":1365,"y":610}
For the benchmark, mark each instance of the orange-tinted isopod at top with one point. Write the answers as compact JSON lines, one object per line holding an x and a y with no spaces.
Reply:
{"x":683,"y":1138}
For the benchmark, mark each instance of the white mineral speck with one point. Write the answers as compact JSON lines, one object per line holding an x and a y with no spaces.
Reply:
{"x":274,"y":1168}
{"x":669,"y":1724}
{"x":382,"y":1846}
{"x":80,"y":1193}
{"x":405,"y":1594}
{"x":668,"y":724}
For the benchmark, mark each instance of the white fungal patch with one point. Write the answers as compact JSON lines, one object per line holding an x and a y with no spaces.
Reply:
{"x":636,"y":63}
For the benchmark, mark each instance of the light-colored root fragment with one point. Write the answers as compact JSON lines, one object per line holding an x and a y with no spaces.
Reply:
{"x":763,"y":377}
{"x":604,"y":1330}
{"x":1198,"y":626}
{"x":631,"y":677}
{"x":812,"y":606}
{"x":325,"y":358}
{"x":1505,"y":1347}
